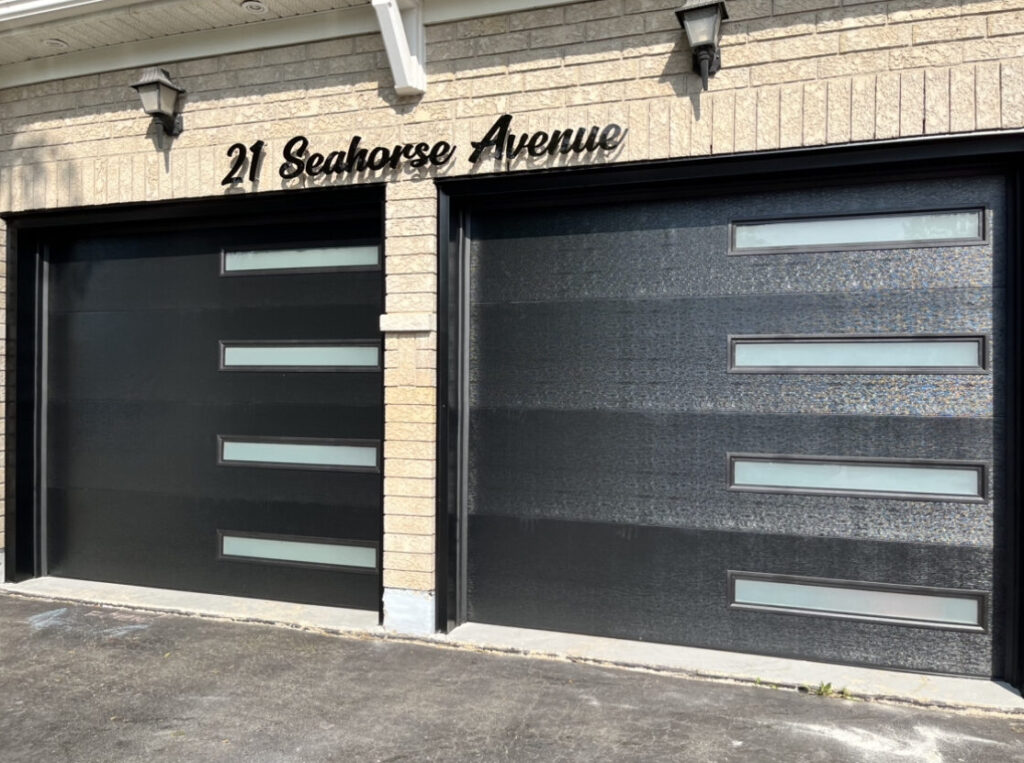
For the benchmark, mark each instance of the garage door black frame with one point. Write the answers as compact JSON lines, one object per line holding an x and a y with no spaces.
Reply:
{"x":26,"y":241}
{"x":513,"y":194}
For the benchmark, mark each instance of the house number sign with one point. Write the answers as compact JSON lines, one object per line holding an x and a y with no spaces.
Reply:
{"x":499,"y":142}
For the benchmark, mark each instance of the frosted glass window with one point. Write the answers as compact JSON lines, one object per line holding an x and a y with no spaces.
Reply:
{"x":853,"y":477}
{"x":304,"y":453}
{"x":867,"y":602}
{"x":300,"y":356}
{"x":304,"y":552}
{"x":860,"y":231}
{"x":965,"y":354}
{"x":312,"y":258}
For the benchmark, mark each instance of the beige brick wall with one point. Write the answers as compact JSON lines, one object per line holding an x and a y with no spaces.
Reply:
{"x":796,"y":73}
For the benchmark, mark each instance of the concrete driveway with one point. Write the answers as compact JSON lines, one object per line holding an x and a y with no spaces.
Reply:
{"x":90,"y":683}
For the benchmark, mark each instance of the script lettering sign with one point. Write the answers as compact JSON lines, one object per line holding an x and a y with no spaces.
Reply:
{"x":499,"y":142}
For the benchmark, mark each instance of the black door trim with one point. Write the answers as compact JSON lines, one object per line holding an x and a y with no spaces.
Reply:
{"x":27,"y":237}
{"x":916,"y":158}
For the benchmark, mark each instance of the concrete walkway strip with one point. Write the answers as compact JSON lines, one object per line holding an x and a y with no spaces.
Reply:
{"x":918,"y":688}
{"x":205,"y":604}
{"x":889,"y":685}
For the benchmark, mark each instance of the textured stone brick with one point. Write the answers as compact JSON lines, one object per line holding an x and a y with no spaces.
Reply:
{"x":791,"y":123}
{"x":483,"y":26}
{"x":945,"y":30}
{"x":412,"y":413}
{"x":413,"y":581}
{"x":862,"y":108}
{"x":410,"y":506}
{"x":722,"y":122}
{"x":940,"y":54}
{"x":988,"y":96}
{"x":395,"y":226}
{"x":424,"y":302}
{"x":411,"y":263}
{"x":407,"y":486}
{"x":749,"y":9}
{"x":815,"y":114}
{"x":936,"y":101}
{"x":418,"y":189}
{"x":853,"y":63}
{"x":413,"y":544}
{"x":549,"y":37}
{"x":1012,"y":81}
{"x":871,"y":38}
{"x":1006,"y":23}
{"x":741,"y":54}
{"x":619,"y":26}
{"x":785,"y":71}
{"x":912,"y":102}
{"x":400,"y":430}
{"x":421,"y":469}
{"x":701,"y":128}
{"x":913,"y":10}
{"x":767,"y":118}
{"x":961,"y":98}
{"x":780,"y":7}
{"x":410,"y":450}
{"x":638,"y":121}
{"x":865,"y":14}
{"x":681,"y":116}
{"x":887,"y":105}
{"x":394,"y":560}
{"x":503,"y":43}
{"x":533,"y":19}
{"x":411,"y":245}
{"x":597,"y":9}
{"x":410,"y":284}
{"x":408,"y":525}
{"x":772,"y":28}
{"x":745,"y":120}
{"x":839,"y":97}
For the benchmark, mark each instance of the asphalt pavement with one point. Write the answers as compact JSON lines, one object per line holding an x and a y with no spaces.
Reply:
{"x":89,"y":683}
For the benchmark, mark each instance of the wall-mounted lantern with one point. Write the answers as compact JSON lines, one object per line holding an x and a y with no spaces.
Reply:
{"x":160,"y":98}
{"x":702,"y":20}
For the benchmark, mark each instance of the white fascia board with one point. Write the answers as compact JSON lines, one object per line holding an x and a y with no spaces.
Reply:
{"x":313,"y":27}
{"x":402,"y":30}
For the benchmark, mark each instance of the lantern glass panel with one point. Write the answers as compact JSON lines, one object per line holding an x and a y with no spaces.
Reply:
{"x":168,"y":99}
{"x":702,"y":24}
{"x":150,"y":96}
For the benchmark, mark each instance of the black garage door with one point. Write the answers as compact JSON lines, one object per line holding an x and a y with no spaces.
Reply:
{"x":762,"y":422}
{"x":213,"y":410}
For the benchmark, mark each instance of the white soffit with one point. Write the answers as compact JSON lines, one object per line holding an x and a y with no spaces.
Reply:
{"x":312,"y":27}
{"x":22,"y":12}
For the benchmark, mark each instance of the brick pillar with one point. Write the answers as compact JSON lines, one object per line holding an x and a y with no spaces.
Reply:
{"x":410,"y":415}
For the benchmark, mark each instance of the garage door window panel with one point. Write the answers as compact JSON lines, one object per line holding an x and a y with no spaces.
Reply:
{"x":870,"y":231}
{"x":353,"y":556}
{"x":300,"y":259}
{"x":903,"y":605}
{"x":922,"y":480}
{"x":299,"y":453}
{"x":257,"y":355}
{"x":857,"y":354}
